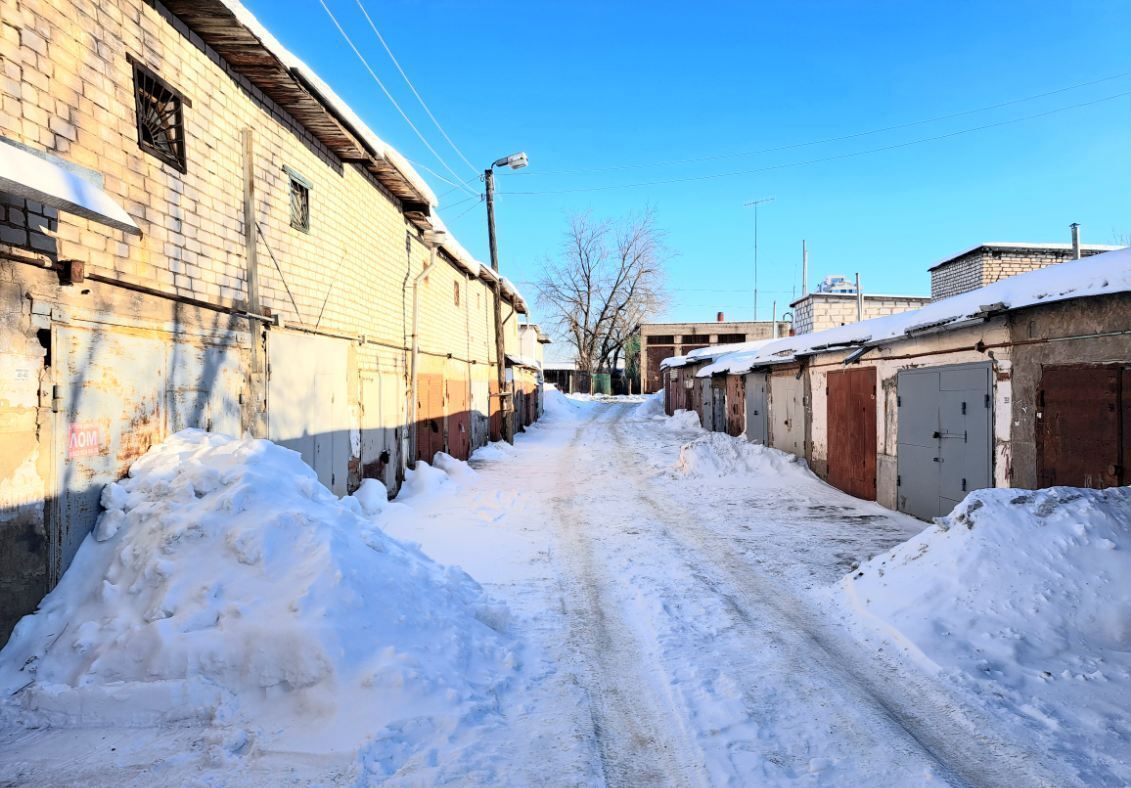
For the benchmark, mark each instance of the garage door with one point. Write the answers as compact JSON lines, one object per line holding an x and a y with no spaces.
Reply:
{"x":852,"y":431}
{"x":307,"y":402}
{"x":736,"y":405}
{"x":944,"y":448}
{"x":787,"y":413}
{"x":756,"y":421}
{"x":1084,"y":426}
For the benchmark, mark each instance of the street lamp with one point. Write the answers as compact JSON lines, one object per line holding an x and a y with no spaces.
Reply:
{"x":516,"y":161}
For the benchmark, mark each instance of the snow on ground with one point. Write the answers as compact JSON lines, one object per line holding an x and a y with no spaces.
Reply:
{"x":1023,"y":598}
{"x":653,"y":607}
{"x":226,"y":588}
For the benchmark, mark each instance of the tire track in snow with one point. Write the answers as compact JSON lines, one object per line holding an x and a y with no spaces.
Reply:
{"x":631,"y":733}
{"x":959,"y":740}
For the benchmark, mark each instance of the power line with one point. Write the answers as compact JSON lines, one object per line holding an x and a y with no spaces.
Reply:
{"x":412,"y":87}
{"x":460,"y":185}
{"x":733,"y":173}
{"x":384,"y":89}
{"x":854,"y":135}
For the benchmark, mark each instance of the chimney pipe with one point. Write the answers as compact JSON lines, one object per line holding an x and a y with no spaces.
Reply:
{"x":804,"y":269}
{"x":720,"y":318}
{"x":1075,"y":228}
{"x":859,"y":300}
{"x":774,"y":316}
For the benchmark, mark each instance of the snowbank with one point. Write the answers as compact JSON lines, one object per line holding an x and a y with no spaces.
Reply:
{"x":651,"y":408}
{"x":1024,"y":596}
{"x":232,"y":588}
{"x":564,"y":406}
{"x":716,"y":454}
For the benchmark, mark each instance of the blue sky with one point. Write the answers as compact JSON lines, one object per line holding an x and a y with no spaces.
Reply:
{"x":601,"y":87}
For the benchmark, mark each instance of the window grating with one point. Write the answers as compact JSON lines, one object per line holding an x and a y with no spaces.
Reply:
{"x":160,"y":118}
{"x":300,"y":206}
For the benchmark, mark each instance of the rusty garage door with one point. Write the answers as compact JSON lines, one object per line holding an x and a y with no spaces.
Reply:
{"x":736,"y":405}
{"x":944,"y":447}
{"x":1084,"y":426}
{"x":852,"y":431}
{"x":655,"y":356}
{"x":459,"y":418}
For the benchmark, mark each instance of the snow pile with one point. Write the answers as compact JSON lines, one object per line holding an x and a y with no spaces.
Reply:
{"x":564,"y":406}
{"x":1025,"y":596}
{"x":651,"y":408}
{"x":232,"y":588}
{"x":716,"y":454}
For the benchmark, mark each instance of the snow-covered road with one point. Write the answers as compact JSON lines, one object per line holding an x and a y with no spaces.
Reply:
{"x":672,"y":613}
{"x":667,"y":594}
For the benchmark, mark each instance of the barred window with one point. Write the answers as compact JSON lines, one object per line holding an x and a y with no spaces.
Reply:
{"x":300,"y":200}
{"x":725,"y":339}
{"x":160,"y":117}
{"x":660,"y":339}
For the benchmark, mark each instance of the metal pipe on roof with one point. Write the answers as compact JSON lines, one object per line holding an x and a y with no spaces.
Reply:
{"x":1075,"y":228}
{"x":859,"y":300}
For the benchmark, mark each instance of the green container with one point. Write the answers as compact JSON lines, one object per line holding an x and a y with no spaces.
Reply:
{"x":602,"y":383}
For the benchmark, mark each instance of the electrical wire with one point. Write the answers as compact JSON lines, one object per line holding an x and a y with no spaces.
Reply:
{"x":466,"y":211}
{"x":412,"y":87}
{"x":733,"y":173}
{"x":826,"y":140}
{"x":385,"y":90}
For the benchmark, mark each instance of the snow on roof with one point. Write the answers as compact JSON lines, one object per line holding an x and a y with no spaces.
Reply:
{"x":1099,"y":274}
{"x":290,"y":60}
{"x":711,"y":352}
{"x":1016,"y":245}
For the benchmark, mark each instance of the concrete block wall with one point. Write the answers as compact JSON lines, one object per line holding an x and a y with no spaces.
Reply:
{"x":819,"y":311}
{"x":987,"y":265}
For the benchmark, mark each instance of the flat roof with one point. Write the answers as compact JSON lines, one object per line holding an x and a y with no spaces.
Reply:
{"x":866,"y":296}
{"x":1055,"y":247}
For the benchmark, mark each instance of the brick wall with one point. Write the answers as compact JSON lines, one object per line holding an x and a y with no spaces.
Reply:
{"x":820,"y":311}
{"x":985,"y":266}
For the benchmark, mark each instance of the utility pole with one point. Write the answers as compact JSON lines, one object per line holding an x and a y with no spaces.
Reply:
{"x":256,"y":380}
{"x":755,"y":204}
{"x":804,"y":269}
{"x":500,"y":349}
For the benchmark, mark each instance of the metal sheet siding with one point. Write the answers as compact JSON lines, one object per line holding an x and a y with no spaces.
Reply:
{"x":787,"y":413}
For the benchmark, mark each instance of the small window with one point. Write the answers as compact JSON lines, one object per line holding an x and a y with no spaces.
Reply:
{"x":160,"y":118}
{"x":660,"y":339}
{"x":456,"y":292}
{"x":300,"y":200}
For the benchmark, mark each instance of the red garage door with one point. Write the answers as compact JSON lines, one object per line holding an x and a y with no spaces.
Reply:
{"x":852,"y":431}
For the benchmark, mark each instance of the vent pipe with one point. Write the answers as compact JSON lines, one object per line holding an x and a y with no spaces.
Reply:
{"x":1075,"y":228}
{"x":720,"y":318}
{"x":859,"y":300}
{"x":774,"y":316}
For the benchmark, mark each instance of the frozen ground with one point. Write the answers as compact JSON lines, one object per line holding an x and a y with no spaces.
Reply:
{"x":659,"y":605}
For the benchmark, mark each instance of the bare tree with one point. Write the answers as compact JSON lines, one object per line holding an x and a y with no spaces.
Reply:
{"x":606,"y":282}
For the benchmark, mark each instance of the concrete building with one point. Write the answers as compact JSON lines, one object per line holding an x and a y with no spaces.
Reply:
{"x":659,"y":341}
{"x":818,"y":311}
{"x":990,"y":262}
{"x":196,"y":232}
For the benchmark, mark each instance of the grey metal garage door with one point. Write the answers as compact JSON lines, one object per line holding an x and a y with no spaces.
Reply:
{"x":756,"y":407}
{"x":945,"y":442}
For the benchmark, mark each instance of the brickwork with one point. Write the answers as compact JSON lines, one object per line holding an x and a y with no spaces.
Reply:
{"x":819,"y":311}
{"x":686,"y":337}
{"x":988,"y":264}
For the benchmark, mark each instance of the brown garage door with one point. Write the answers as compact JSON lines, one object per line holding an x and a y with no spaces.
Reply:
{"x":736,"y":405}
{"x":655,"y":380}
{"x":852,"y":431}
{"x":1083,"y":426}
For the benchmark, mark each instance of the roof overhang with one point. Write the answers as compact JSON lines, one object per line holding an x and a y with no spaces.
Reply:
{"x":52,"y":181}
{"x":300,"y":95}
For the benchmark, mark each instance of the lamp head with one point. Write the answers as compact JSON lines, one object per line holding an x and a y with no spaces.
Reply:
{"x":516,"y":161}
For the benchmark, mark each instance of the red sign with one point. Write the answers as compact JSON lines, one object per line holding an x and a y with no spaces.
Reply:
{"x":85,"y":441}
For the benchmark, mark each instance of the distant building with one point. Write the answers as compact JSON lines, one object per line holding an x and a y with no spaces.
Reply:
{"x":837,"y":283}
{"x":821,"y":310}
{"x":987,"y":263}
{"x":664,"y":340}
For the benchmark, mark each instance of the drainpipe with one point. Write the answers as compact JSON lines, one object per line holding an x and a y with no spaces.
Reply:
{"x":859,"y":300}
{"x":1075,"y":228}
{"x":412,"y":408}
